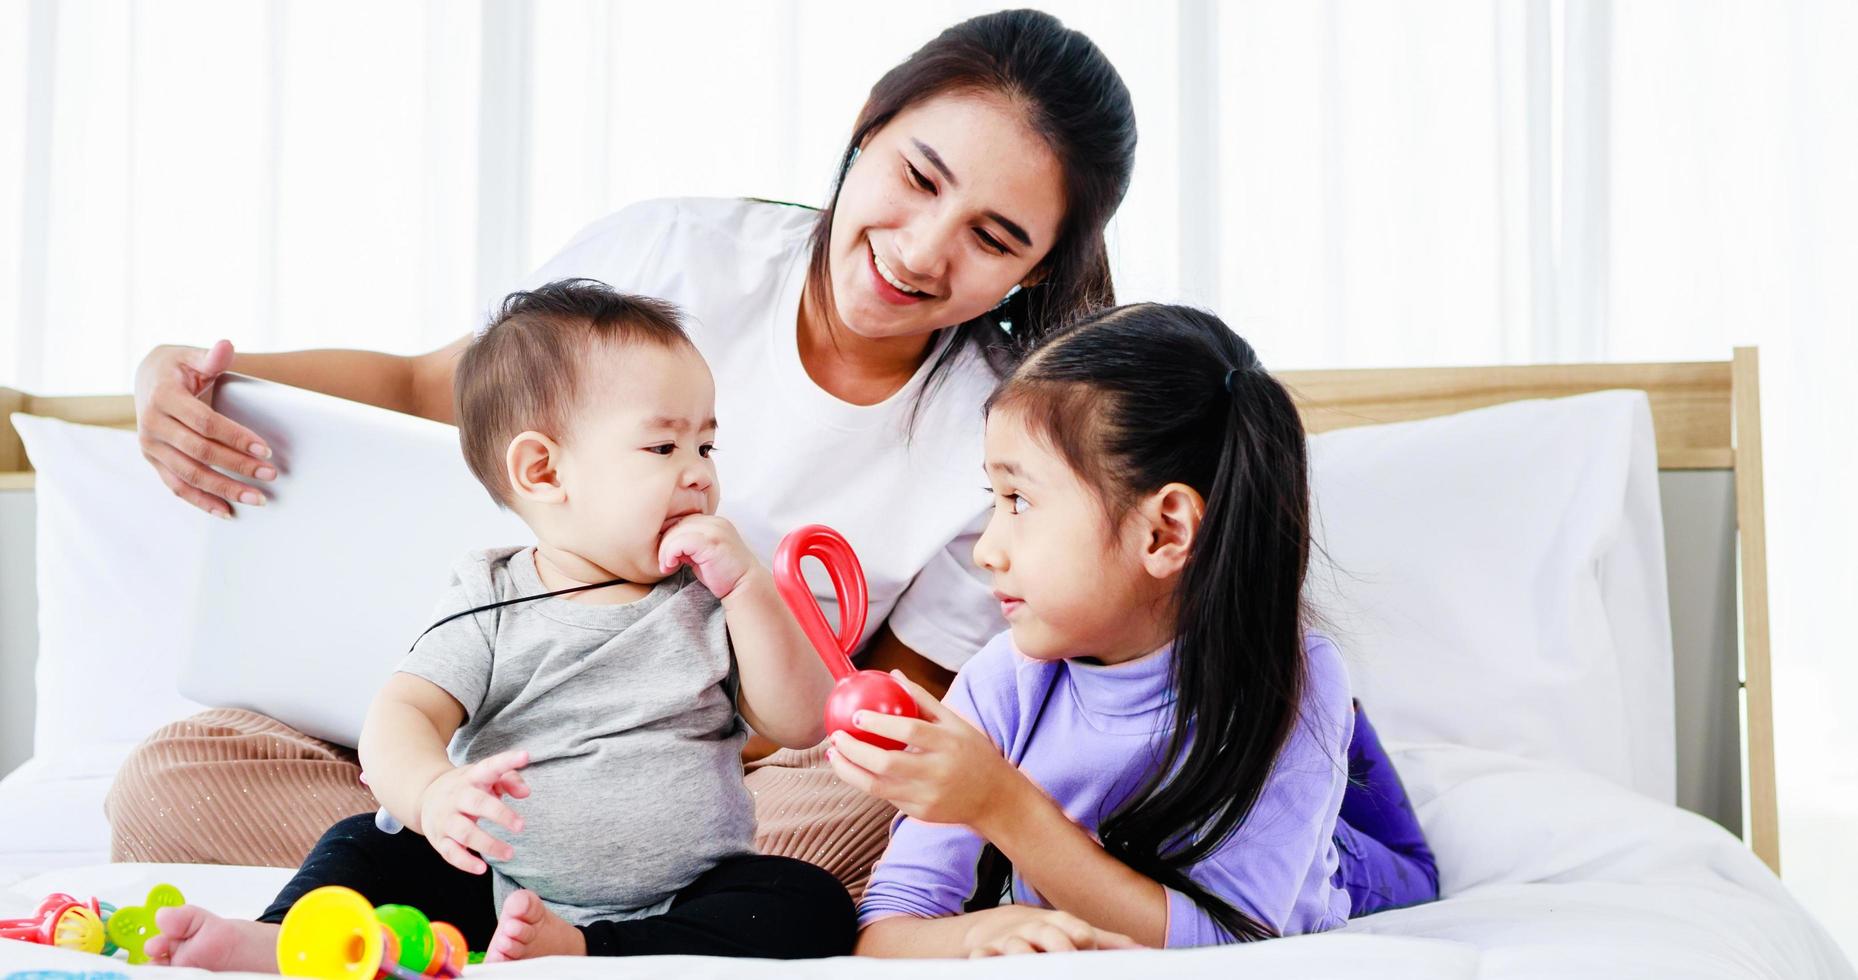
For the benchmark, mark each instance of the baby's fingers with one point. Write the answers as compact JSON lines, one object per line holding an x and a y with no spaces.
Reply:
{"x":465,"y":831}
{"x":511,"y":784}
{"x":455,"y":855}
{"x":485,"y":773}
{"x":477,"y":803}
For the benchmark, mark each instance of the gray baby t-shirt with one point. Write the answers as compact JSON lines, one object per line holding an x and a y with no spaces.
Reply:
{"x":629,"y":717}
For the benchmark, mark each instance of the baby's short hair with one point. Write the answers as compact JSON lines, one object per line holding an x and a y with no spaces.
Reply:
{"x":523,"y":371}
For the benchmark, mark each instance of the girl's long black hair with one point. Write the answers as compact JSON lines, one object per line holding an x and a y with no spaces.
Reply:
{"x":1074,"y":99}
{"x":1139,"y":397}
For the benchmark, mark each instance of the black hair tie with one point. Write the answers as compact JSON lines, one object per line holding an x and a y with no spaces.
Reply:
{"x":1231,"y":377}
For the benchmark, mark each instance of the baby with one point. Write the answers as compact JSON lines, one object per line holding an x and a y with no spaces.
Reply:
{"x":592,"y":689}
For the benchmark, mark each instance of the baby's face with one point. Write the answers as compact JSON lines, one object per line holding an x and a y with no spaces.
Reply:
{"x":637,"y":456}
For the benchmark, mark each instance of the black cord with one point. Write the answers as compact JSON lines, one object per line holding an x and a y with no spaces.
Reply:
{"x":508,"y":602}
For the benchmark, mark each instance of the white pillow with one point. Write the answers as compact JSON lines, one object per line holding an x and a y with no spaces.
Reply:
{"x":118,"y":563}
{"x":1497,"y":580}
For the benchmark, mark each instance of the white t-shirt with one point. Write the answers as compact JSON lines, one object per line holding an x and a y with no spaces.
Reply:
{"x":909,"y":500}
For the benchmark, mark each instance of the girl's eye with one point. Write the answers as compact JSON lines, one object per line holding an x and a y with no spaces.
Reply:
{"x":917,"y":178}
{"x":706,"y":449}
{"x":663,"y":450}
{"x":990,"y":243}
{"x":1015,"y":501}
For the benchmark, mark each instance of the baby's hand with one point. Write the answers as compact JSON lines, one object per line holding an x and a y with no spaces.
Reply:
{"x":452,"y":804}
{"x":710,"y":545}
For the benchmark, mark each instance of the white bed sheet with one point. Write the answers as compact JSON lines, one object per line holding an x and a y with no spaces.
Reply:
{"x":51,"y":811}
{"x":1552,"y":873}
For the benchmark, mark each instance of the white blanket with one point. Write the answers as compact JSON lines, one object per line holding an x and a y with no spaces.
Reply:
{"x":1550,"y":873}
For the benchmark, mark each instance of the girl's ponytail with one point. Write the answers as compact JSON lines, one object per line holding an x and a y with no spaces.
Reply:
{"x":1149,"y":395}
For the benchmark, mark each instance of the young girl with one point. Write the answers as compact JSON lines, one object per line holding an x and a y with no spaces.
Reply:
{"x":1157,"y":752}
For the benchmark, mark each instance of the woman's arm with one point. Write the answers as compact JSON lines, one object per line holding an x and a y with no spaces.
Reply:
{"x":419,"y":384}
{"x":184,"y":439}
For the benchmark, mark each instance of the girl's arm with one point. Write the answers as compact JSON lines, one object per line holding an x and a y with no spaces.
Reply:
{"x":1000,"y":931}
{"x":954,"y":774}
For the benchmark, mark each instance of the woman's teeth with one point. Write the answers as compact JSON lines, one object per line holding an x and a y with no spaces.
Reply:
{"x":891,"y":277}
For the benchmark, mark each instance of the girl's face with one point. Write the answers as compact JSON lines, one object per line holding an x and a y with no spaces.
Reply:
{"x":1069,"y":584}
{"x":947,"y":207}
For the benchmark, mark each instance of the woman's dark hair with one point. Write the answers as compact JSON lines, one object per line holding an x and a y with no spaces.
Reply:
{"x":1140,"y":397}
{"x":1074,"y":100}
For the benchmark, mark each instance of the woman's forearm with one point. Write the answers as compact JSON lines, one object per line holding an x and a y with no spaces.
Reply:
{"x":384,"y":380}
{"x":417,"y":385}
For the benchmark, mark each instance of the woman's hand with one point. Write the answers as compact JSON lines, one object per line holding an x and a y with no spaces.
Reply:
{"x":949,"y":772}
{"x":1015,"y":929}
{"x":451,"y":805}
{"x":183,"y":438}
{"x":713,"y":547}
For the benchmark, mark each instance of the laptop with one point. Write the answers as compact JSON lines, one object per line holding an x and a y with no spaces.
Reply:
{"x":353,"y":549}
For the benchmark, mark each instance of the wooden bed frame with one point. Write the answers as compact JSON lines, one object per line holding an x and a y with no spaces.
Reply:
{"x":1707,"y":418}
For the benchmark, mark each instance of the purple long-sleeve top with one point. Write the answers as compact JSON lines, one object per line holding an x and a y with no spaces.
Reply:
{"x":1089,"y":735}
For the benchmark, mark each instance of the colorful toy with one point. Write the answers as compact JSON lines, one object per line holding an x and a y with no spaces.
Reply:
{"x":334,"y":933}
{"x":132,"y":926}
{"x":854,"y":690}
{"x":61,"y":921}
{"x":94,"y":926}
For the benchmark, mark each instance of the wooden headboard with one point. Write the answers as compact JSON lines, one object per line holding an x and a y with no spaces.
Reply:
{"x":1707,"y":419}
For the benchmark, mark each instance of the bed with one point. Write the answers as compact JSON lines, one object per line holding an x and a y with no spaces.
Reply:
{"x":1572,"y":675}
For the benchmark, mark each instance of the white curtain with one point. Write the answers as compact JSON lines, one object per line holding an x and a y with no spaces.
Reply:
{"x":1349,"y":183}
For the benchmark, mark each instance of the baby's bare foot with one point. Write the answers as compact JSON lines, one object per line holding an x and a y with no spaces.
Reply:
{"x":527,"y":929}
{"x":192,"y":936}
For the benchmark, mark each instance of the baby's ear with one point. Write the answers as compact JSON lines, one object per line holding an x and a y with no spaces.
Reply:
{"x":1171,"y":522}
{"x":531,"y":465}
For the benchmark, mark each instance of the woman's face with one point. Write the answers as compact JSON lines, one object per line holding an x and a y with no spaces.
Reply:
{"x":948,"y":207}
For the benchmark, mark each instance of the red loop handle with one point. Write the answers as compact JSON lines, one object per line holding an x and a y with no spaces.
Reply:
{"x":831,"y":549}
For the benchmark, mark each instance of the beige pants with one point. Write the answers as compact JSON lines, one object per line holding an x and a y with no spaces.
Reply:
{"x":234,"y":787}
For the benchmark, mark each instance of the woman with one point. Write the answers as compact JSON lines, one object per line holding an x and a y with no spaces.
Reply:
{"x":852,"y":349}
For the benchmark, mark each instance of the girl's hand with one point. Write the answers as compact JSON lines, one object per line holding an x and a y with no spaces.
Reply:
{"x":713,"y":547}
{"x":183,"y":438}
{"x":1015,"y":929}
{"x":451,"y":805}
{"x":950,"y":771}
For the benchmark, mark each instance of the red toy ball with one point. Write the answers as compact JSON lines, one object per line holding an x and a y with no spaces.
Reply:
{"x":855,"y":690}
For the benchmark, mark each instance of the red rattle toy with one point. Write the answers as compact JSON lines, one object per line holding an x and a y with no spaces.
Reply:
{"x":855,"y":690}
